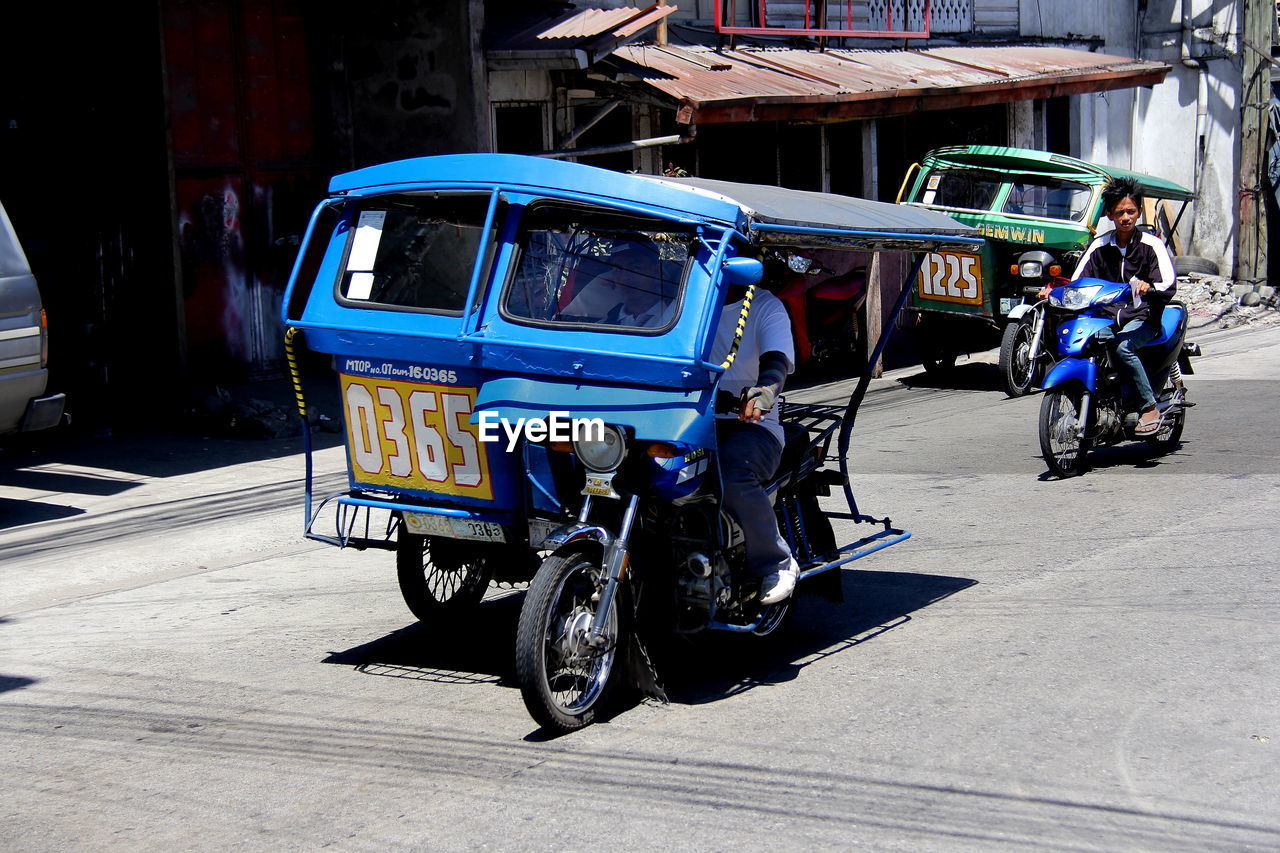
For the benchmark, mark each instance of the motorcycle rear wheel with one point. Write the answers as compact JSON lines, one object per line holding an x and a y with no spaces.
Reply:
{"x":1168,"y":436}
{"x":1060,"y":443}
{"x":1017,"y":362}
{"x":562,"y":676}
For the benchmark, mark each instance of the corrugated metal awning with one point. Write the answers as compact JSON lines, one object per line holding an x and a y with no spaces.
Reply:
{"x":776,"y":84}
{"x":574,"y":39}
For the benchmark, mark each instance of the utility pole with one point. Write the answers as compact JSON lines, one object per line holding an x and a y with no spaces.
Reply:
{"x":1255,"y":93}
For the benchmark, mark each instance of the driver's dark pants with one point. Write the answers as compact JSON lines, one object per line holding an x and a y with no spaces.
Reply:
{"x":1133,"y":336}
{"x":749,"y":456}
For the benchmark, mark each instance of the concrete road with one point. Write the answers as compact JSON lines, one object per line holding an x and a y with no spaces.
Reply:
{"x":1089,"y":664}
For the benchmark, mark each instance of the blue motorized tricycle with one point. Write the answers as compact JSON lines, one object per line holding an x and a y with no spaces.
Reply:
{"x":525,"y":354}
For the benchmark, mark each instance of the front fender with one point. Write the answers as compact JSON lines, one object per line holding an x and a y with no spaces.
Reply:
{"x":1082,"y":370}
{"x":1020,"y":311}
{"x":576,"y":532}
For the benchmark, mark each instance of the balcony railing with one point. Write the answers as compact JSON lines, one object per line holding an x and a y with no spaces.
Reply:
{"x":840,"y":18}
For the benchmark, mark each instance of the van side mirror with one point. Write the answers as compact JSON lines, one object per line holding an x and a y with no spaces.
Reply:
{"x":742,"y":272}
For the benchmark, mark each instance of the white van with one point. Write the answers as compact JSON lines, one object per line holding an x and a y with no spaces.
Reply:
{"x":24,"y":343}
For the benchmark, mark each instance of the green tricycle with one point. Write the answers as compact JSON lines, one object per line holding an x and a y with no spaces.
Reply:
{"x":1037,"y":212}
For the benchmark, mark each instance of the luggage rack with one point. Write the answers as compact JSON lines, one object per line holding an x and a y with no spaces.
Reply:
{"x":353,"y":522}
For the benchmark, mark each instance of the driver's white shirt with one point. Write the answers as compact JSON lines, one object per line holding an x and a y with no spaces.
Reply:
{"x":768,"y":330}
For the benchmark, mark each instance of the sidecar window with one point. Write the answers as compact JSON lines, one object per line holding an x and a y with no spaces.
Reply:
{"x":598,"y":268}
{"x":1052,"y":198}
{"x":414,"y":252}
{"x":963,"y":188}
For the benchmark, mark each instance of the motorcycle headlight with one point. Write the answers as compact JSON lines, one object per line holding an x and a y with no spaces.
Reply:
{"x":1030,"y":269}
{"x":601,"y":452}
{"x":1074,"y":298}
{"x":799,"y":263}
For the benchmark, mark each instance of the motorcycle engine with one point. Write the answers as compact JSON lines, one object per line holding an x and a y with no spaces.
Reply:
{"x":1109,"y":421}
{"x":704,"y":571}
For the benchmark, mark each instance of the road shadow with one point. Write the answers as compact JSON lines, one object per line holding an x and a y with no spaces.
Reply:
{"x":478,"y":648}
{"x":713,"y":666}
{"x":144,"y":454}
{"x":15,"y":513}
{"x":978,"y":376}
{"x":14,"y":682}
{"x":1129,"y":454}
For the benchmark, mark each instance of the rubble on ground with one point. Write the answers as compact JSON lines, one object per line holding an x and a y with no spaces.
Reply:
{"x":218,"y":412}
{"x":1218,"y":301}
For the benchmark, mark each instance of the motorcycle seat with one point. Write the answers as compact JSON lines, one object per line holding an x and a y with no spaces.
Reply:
{"x":849,"y":286}
{"x":1173,"y":323}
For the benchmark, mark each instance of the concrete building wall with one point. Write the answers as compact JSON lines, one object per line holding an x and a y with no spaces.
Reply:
{"x":415,"y":79}
{"x":1187,"y":128}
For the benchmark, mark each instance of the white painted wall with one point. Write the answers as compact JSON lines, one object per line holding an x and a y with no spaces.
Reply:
{"x":1187,"y":128}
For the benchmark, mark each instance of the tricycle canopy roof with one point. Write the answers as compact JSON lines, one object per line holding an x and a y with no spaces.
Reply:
{"x":1024,"y":160}
{"x":763,"y":215}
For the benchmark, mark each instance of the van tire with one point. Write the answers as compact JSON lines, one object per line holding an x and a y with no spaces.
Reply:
{"x":1184,"y":264}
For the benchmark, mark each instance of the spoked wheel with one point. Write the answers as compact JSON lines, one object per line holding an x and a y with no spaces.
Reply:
{"x":563,"y":673}
{"x":440,"y":576}
{"x":1060,"y":443}
{"x":1017,"y":362}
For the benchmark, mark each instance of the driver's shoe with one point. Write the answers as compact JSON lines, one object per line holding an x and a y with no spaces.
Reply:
{"x":779,"y":585}
{"x":1148,"y":423}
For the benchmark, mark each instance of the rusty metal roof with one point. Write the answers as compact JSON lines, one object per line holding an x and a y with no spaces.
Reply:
{"x":780,"y":84}
{"x":575,"y":39}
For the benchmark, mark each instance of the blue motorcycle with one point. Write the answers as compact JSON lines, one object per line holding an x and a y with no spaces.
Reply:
{"x":1088,"y":400}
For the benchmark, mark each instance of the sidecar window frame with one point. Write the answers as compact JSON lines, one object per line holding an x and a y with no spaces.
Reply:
{"x":464,"y":271}
{"x":615,"y":223}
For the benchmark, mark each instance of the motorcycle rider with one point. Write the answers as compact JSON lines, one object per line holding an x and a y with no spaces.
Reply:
{"x":1142,"y":259}
{"x":751,"y":439}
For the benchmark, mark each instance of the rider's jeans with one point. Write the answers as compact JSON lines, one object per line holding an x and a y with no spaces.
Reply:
{"x":748,"y":457}
{"x":1135,"y":335}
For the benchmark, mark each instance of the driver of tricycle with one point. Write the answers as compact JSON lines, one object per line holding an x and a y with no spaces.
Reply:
{"x":751,"y":439}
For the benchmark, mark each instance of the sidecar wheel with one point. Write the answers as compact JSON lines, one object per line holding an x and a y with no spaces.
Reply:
{"x":1017,"y":362}
{"x":440,"y":576}
{"x":562,"y":675}
{"x":939,"y":362}
{"x":1060,"y":443}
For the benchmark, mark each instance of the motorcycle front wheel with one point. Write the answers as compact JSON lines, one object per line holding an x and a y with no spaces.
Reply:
{"x":1017,"y":362}
{"x":1060,"y":443}
{"x":563,"y":674}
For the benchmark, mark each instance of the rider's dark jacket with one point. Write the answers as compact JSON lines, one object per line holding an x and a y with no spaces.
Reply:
{"x":1146,"y":258}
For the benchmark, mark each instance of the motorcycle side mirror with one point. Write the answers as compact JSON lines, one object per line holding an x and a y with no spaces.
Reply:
{"x":742,"y":272}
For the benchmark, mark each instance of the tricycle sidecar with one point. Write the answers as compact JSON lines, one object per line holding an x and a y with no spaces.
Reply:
{"x":525,"y":350}
{"x":1037,"y":212}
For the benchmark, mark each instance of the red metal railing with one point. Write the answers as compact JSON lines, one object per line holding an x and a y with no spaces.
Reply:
{"x":776,"y":17}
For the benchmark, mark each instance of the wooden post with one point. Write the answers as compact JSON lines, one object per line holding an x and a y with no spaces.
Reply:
{"x":871,"y":189}
{"x":1255,"y":92}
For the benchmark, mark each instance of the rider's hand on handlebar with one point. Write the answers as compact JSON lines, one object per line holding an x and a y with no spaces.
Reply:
{"x":756,"y":403}
{"x":1044,"y":293}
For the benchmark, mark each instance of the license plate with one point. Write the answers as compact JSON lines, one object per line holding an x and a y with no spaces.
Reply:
{"x":450,"y":527}
{"x":540,"y":529}
{"x":951,"y":277}
{"x":600,"y":486}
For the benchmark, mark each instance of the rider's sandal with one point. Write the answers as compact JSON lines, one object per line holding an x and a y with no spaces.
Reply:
{"x":1148,"y":428}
